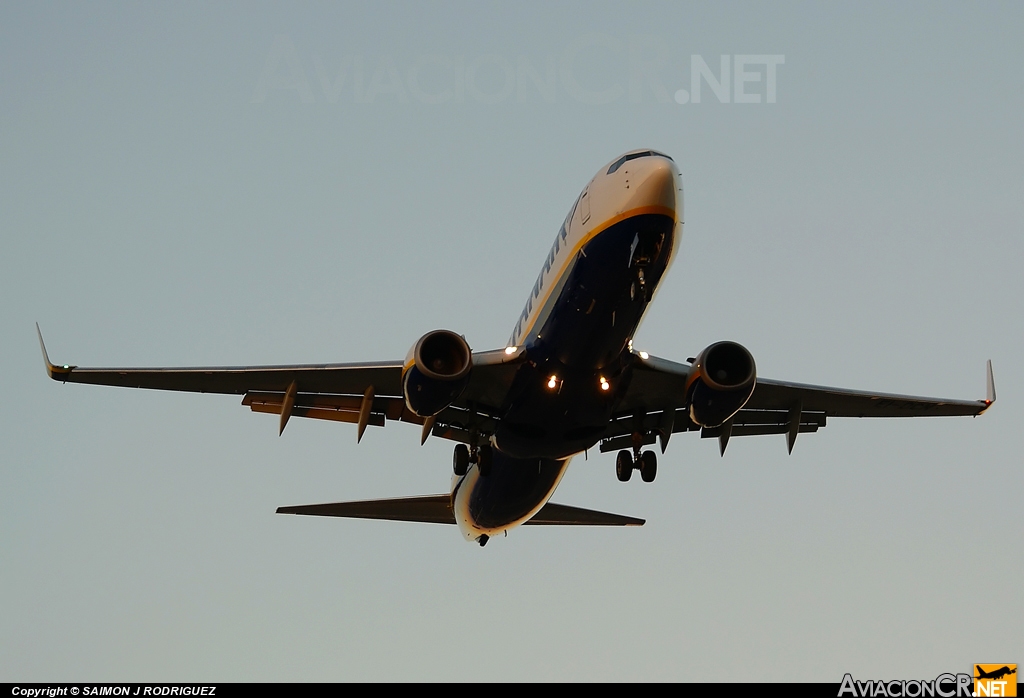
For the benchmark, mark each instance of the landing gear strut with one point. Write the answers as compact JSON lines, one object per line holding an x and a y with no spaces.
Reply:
{"x":483,"y":460}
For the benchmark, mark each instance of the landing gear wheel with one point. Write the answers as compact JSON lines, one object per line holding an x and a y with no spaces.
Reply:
{"x":648,"y":466}
{"x":624,"y":466}
{"x":460,"y":460}
{"x":645,"y":290}
{"x":483,"y":460}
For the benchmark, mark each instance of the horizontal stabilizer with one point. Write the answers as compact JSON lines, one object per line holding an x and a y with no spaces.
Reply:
{"x":561,"y":515}
{"x":436,"y":508}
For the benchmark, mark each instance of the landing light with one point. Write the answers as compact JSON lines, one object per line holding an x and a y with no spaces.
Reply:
{"x":553,"y":382}
{"x":510,"y":350}
{"x":644,"y":355}
{"x":604,"y":383}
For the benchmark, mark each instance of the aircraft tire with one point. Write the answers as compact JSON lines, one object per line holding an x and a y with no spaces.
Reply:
{"x":460,"y":460}
{"x":648,"y":466}
{"x":624,"y":466}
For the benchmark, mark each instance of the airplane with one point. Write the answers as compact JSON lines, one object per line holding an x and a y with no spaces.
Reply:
{"x":567,"y":380}
{"x":996,"y":674}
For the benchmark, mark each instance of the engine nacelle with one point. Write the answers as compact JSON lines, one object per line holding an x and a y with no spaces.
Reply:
{"x":436,"y":372}
{"x":722,"y":381}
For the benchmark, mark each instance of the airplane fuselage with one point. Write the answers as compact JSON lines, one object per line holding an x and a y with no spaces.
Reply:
{"x":576,"y":330}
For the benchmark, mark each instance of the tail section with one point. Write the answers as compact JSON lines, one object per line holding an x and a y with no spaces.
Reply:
{"x":437,"y":508}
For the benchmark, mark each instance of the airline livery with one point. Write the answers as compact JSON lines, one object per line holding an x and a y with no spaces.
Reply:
{"x":569,"y":378}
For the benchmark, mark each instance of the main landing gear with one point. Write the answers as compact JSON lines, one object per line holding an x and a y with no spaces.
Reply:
{"x":480,"y":455}
{"x":646,"y":463}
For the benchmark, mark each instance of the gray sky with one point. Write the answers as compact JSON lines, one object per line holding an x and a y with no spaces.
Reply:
{"x":191,"y":184}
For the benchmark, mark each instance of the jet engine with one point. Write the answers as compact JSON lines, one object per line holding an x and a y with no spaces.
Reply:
{"x":721,"y":382}
{"x":436,"y":372}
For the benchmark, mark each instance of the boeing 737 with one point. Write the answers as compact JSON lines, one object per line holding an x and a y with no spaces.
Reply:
{"x":568,"y":379}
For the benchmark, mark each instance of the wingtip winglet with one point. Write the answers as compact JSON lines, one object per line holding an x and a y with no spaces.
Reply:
{"x":57,"y":373}
{"x":39,"y":333}
{"x":990,"y":385}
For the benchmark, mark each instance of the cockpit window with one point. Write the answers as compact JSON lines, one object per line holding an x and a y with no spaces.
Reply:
{"x":633,"y":156}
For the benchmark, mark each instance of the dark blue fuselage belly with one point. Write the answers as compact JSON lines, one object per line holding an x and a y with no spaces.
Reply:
{"x":583,"y":338}
{"x":513,"y":490}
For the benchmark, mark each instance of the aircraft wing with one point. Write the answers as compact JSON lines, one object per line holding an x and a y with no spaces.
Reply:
{"x":656,"y":393}
{"x":360,"y":393}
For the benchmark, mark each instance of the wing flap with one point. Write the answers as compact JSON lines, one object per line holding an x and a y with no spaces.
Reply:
{"x":453,"y":423}
{"x":335,"y":415}
{"x":338,"y":408}
{"x":757,"y":430}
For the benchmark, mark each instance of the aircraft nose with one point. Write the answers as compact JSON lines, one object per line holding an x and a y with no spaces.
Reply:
{"x":656,"y":183}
